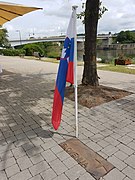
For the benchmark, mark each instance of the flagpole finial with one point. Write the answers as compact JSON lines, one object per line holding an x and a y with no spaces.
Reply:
{"x":74,"y":7}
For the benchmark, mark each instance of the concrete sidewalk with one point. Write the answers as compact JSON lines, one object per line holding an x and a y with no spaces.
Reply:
{"x":29,"y":147}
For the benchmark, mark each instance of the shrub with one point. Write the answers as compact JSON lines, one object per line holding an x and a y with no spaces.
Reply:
{"x":12,"y":52}
{"x":53,"y":51}
{"x":31,"y":48}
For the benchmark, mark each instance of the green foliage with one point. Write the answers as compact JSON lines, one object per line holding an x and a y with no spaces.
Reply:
{"x":3,"y":38}
{"x":102,"y":10}
{"x":12,"y":52}
{"x":31,"y":48}
{"x":82,"y":14}
{"x":45,"y":46}
{"x":48,"y":49}
{"x":54,"y":50}
{"x":126,"y":37}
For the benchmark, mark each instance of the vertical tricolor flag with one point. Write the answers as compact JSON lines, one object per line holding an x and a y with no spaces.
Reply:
{"x":65,"y":72}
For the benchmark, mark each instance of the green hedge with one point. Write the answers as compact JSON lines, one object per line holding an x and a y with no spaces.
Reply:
{"x":31,"y":48}
{"x":53,"y":51}
{"x":12,"y":52}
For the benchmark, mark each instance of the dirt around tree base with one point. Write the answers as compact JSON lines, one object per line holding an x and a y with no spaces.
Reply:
{"x":90,"y":96}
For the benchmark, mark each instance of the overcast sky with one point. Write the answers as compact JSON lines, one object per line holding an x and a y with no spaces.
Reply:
{"x":54,"y":18}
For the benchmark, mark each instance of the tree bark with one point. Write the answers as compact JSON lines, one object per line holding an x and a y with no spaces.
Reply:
{"x":90,"y":76}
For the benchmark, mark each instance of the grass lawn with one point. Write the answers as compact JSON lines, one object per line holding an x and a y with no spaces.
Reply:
{"x":52,"y":60}
{"x":100,"y":66}
{"x":117,"y":68}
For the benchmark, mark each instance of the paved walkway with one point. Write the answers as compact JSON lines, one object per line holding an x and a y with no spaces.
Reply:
{"x":29,"y":147}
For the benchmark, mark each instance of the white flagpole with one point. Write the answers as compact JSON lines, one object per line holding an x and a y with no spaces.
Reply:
{"x":75,"y":69}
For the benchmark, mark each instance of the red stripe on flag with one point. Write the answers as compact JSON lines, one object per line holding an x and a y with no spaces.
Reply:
{"x":70,"y":73}
{"x":57,"y":109}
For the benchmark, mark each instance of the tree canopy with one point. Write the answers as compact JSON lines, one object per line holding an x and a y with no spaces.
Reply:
{"x":126,"y":37}
{"x":3,"y":38}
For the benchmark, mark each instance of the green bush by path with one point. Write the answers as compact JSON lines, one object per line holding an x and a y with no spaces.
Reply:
{"x":53,"y":50}
{"x":12,"y":52}
{"x":31,"y":48}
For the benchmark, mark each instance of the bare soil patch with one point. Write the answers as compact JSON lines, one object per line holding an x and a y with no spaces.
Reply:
{"x":90,"y":96}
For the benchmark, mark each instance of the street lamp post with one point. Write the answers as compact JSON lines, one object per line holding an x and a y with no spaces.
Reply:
{"x":19,"y":36}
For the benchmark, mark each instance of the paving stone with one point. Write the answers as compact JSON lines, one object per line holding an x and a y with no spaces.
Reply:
{"x":58,"y":166}
{"x":20,"y":143}
{"x":49,"y":144}
{"x":103,"y":143}
{"x":125,"y":149}
{"x":31,"y":134}
{"x":132,"y":145}
{"x":70,"y":162}
{"x":115,"y":136}
{"x":56,"y":149}
{"x":17,"y":132}
{"x":36,"y":159}
{"x":25,"y":114}
{"x":106,"y":132}
{"x":61,"y":177}
{"x":18,"y":152}
{"x":86,"y":176}
{"x":21,"y":136}
{"x":112,"y":141}
{"x":130,"y":172}
{"x":11,"y":139}
{"x":7,"y":163}
{"x":131,"y":161}
{"x":125,"y":139}
{"x":121,"y":155}
{"x":75,"y":172}
{"x":38,"y":168}
{"x":126,"y":178}
{"x":1,"y":136}
{"x":4,"y":148}
{"x":38,"y":177}
{"x":34,"y":151}
{"x":3,"y":175}
{"x":37,"y":141}
{"x":34,"y":126}
{"x":94,"y":146}
{"x":58,"y":139}
{"x":7,"y":155}
{"x":109,"y":150}
{"x":27,"y":146}
{"x":49,"y":174}
{"x":131,"y":133}
{"x":12,"y":170}
{"x":48,"y":155}
{"x":103,"y":155}
{"x":3,"y":143}
{"x":86,"y":132}
{"x":8,"y":134}
{"x":23,"y":175}
{"x":117,"y":162}
{"x":17,"y":127}
{"x":63,"y":155}
{"x":114,"y":174}
{"x":24,"y":162}
{"x":26,"y":129}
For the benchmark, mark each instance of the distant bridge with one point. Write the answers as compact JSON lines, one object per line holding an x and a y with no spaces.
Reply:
{"x":107,"y":39}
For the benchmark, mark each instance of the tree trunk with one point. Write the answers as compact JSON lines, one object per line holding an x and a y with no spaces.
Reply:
{"x":91,"y":20}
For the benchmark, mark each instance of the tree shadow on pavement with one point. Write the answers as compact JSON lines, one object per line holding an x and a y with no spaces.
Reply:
{"x":25,"y":115}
